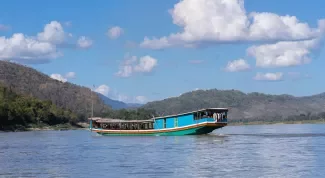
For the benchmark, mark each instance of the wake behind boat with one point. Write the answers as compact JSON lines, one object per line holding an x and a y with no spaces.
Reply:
{"x":198,"y":122}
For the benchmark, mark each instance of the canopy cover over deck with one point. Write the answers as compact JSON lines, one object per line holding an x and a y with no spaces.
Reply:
{"x":110,"y":120}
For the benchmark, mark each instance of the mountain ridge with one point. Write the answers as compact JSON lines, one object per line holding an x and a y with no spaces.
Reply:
{"x":242,"y":106}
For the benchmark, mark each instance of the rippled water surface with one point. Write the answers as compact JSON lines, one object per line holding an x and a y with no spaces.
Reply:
{"x":234,"y":151}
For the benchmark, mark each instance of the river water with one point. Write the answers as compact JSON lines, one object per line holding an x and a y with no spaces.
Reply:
{"x":233,"y":151}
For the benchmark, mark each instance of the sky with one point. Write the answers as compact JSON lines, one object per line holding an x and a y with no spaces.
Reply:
{"x":151,"y":50}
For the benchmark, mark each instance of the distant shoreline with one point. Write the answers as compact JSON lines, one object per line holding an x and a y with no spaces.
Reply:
{"x":322,"y":121}
{"x":53,"y":128}
{"x":67,"y":126}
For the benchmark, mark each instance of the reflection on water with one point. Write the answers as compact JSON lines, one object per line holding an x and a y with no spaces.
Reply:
{"x":241,"y":151}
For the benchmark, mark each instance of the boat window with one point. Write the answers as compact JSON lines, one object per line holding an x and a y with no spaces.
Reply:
{"x":175,"y":122}
{"x":127,"y":125}
{"x":197,"y":115}
{"x":164,"y":124}
{"x":202,"y":114}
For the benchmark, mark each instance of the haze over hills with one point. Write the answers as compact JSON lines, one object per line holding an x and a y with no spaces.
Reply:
{"x":250,"y":106}
{"x":115,"y":104}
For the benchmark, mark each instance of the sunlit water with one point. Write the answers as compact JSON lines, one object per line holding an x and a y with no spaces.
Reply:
{"x":241,"y":151}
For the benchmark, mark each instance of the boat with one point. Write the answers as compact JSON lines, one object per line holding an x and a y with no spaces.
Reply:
{"x":198,"y":122}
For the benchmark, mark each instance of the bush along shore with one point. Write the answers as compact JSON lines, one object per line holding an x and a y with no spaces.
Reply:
{"x":21,"y":113}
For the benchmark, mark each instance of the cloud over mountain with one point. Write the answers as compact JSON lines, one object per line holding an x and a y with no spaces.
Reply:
{"x":218,"y":21}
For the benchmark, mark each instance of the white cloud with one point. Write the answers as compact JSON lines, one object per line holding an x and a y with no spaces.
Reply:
{"x":141,"y":99}
{"x":115,"y":32}
{"x":145,"y":64}
{"x":58,"y":77}
{"x":26,"y":49}
{"x":156,"y":43}
{"x":269,"y":76}
{"x":132,"y":65}
{"x":64,"y":78}
{"x":128,"y":99}
{"x":121,"y":97}
{"x":70,"y":75}
{"x":4,"y":27}
{"x":41,"y":48}
{"x":53,"y":33}
{"x":283,"y":54}
{"x":125,"y":71}
{"x":33,"y":49}
{"x":115,"y":95}
{"x":226,"y":21}
{"x":270,"y":26}
{"x":84,"y":42}
{"x":103,"y":89}
{"x":237,"y":65}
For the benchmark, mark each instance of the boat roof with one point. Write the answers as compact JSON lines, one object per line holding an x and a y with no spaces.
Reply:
{"x":110,"y":120}
{"x":221,"y":109}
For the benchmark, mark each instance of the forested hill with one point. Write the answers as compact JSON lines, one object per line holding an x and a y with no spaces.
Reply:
{"x":29,"y":82}
{"x":242,"y":106}
{"x":19,"y":112}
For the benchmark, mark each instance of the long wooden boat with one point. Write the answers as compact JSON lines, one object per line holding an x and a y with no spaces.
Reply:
{"x":198,"y":122}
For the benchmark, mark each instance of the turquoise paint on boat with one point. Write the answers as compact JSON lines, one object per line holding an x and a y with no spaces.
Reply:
{"x":198,"y":122}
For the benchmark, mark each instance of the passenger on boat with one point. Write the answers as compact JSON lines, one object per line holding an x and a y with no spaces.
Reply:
{"x":219,"y":116}
{"x":215,"y":116}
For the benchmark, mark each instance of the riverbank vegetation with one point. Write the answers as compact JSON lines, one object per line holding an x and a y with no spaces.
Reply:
{"x":22,"y":112}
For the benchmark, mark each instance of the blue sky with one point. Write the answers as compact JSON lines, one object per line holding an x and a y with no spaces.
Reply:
{"x":272,"y":53}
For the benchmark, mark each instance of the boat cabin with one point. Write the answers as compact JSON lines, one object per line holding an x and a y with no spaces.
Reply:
{"x":191,"y":118}
{"x":118,"y":124}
